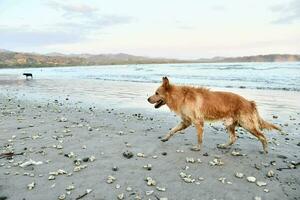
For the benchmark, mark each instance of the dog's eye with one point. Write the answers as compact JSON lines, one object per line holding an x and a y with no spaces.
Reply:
{"x":156,"y":93}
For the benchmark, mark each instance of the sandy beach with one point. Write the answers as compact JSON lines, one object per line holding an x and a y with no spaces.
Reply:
{"x":76,"y":144}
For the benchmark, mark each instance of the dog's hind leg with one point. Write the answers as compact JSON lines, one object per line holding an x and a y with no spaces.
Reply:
{"x":182,"y":125}
{"x":199,"y":126}
{"x":232,"y":136}
{"x":252,"y":126}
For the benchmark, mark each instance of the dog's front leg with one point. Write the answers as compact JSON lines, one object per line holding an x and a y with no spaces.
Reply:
{"x":182,"y":125}
{"x":199,"y":127}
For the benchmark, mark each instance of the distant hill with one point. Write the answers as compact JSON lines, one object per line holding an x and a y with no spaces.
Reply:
{"x":263,"y":58}
{"x":17,"y":59}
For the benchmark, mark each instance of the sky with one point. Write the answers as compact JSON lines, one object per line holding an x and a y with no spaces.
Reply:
{"x":185,"y":29}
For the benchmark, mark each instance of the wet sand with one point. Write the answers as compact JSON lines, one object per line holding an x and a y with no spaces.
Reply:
{"x":81,"y":140}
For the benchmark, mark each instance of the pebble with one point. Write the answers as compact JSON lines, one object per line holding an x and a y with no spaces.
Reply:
{"x":266,"y":190}
{"x":162,"y":189}
{"x":79,"y":168}
{"x":239,"y":175}
{"x":121,"y":196}
{"x":128,"y":189}
{"x":110,"y":179}
{"x":140,"y":155}
{"x":148,"y":167}
{"x":115,"y":168}
{"x":270,"y":173}
{"x":51,"y":177}
{"x":70,"y":187}
{"x":190,"y":160}
{"x":150,"y":181}
{"x":149,"y":192}
{"x":261,"y":183}
{"x":128,"y":154}
{"x":217,"y":162}
{"x":118,"y":186}
{"x":62,"y":197}
{"x":187,"y":178}
{"x":63,"y":119}
{"x":30,"y":186}
{"x":251,"y":179}
{"x":164,"y":153}
{"x":236,"y":153}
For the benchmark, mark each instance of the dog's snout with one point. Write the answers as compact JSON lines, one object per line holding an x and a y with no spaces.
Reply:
{"x":148,"y":99}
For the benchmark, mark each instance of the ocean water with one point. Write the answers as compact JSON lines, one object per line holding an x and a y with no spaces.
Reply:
{"x":268,"y":76}
{"x":274,"y":86}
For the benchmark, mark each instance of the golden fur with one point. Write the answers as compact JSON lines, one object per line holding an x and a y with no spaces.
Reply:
{"x":196,"y":105}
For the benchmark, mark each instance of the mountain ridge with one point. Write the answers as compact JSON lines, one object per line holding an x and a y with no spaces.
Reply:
{"x":9,"y":59}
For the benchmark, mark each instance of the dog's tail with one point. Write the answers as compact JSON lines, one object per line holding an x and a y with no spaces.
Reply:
{"x":261,"y":122}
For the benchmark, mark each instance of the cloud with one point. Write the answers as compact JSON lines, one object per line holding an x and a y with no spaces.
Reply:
{"x":218,"y":8}
{"x":70,"y":9}
{"x":82,"y":22}
{"x":288,"y":13}
{"x":14,"y":37}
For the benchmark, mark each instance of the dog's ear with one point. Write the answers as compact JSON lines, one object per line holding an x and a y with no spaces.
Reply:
{"x":165,"y":82}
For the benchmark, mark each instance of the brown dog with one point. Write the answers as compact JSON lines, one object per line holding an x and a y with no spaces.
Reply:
{"x":196,"y":105}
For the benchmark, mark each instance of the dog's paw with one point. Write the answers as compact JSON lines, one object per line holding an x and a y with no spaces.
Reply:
{"x":195,"y":148}
{"x":164,"y":139}
{"x":222,"y":146}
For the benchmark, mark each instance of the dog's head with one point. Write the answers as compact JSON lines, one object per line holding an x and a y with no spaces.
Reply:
{"x":160,"y":96}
